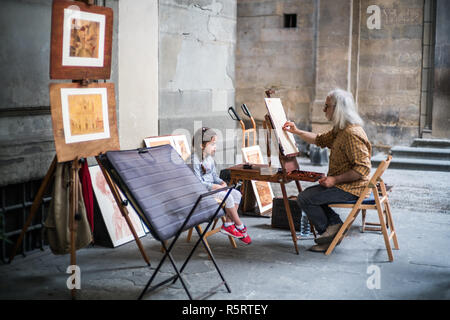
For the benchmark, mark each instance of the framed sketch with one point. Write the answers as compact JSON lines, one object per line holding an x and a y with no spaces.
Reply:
{"x":278,"y":116}
{"x":84,"y":120}
{"x":182,"y":146}
{"x":81,"y":41}
{"x":117,"y":227}
{"x":159,"y":141}
{"x":263,"y":190}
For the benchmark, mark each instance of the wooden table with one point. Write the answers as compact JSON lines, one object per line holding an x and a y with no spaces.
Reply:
{"x":238,"y":173}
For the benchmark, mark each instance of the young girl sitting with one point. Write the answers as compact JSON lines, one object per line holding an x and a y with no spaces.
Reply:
{"x":204,"y":148}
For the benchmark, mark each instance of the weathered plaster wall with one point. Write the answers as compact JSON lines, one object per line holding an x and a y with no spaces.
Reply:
{"x":197,"y":43}
{"x":138,"y":71}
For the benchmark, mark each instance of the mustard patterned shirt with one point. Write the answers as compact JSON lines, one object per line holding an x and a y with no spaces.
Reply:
{"x":350,"y":149}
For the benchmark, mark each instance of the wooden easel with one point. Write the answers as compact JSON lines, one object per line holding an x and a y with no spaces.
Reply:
{"x":288,"y":164}
{"x":73,"y":209}
{"x":248,"y":198}
{"x":73,"y":193}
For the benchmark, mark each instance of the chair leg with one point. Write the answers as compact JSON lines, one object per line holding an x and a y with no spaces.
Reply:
{"x":385,"y":234}
{"x":189,"y":235}
{"x":391,"y":223}
{"x":312,"y":228}
{"x":347,"y":223}
{"x":363,"y":216}
{"x":215,"y":223}
{"x":201,"y":231}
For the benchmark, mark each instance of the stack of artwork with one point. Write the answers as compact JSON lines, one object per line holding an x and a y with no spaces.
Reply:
{"x":84,"y":112}
{"x":83,"y":116}
{"x":262,"y":189}
{"x":178,"y":142}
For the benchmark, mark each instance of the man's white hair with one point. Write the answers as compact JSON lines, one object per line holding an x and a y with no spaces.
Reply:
{"x":344,"y":109}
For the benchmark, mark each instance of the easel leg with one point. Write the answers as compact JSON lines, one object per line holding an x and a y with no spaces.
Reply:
{"x":72,"y":211}
{"x":289,"y":216}
{"x":123,"y":210}
{"x":36,"y":203}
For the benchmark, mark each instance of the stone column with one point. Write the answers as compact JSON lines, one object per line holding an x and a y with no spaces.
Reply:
{"x":441,"y":92}
{"x":334,"y":52}
{"x":138,"y":72}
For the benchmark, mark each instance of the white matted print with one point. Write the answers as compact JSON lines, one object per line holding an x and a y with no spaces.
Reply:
{"x":263,"y":190}
{"x":85,"y":114}
{"x":182,"y":146}
{"x":159,"y":141}
{"x":278,"y":116}
{"x":116,"y":224}
{"x":83,"y":38}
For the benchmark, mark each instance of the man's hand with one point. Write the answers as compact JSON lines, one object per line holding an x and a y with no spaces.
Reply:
{"x":327,"y":182}
{"x":290,"y":127}
{"x":346,"y":177}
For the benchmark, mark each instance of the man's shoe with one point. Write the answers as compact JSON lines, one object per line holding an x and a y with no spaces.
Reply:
{"x":319,"y":247}
{"x":329,"y":234}
{"x":231,"y":231}
{"x":246,"y":238}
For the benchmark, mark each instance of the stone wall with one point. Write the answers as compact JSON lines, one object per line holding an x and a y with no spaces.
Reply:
{"x":271,"y":56}
{"x":333,"y":47}
{"x":390,"y":61}
{"x":197,"y":41}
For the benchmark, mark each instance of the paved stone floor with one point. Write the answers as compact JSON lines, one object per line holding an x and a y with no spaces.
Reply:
{"x":269,"y":268}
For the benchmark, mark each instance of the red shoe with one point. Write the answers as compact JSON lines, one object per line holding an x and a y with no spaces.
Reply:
{"x":231,"y":231}
{"x":246,"y":238}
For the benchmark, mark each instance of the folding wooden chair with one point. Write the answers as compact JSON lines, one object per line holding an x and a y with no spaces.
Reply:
{"x":379,"y":201}
{"x":169,"y":198}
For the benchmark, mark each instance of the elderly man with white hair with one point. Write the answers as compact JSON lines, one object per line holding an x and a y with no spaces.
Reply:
{"x":349,"y":165}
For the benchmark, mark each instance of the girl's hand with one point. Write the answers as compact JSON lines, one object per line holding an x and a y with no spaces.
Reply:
{"x":216,"y":186}
{"x":327,"y":182}
{"x":290,"y":127}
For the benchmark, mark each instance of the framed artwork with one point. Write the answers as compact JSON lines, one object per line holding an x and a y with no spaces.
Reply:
{"x":84,"y":120}
{"x":117,"y":227}
{"x":278,"y":116}
{"x":263,"y":190}
{"x":81,"y":41}
{"x":159,"y":141}
{"x":182,"y":146}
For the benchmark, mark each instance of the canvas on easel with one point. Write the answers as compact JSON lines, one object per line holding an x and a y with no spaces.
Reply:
{"x":81,"y":41}
{"x":278,"y":118}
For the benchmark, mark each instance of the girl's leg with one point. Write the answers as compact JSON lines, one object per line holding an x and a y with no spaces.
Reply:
{"x":233,"y":216}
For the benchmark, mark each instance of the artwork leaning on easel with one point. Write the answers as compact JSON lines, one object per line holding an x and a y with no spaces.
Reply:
{"x":84,"y":125}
